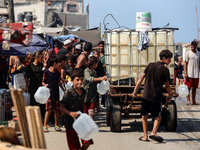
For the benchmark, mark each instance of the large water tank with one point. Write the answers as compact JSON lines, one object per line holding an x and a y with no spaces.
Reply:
{"x":20,"y":17}
{"x":29,"y":17}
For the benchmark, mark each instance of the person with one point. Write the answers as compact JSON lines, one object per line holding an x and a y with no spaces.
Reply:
{"x":82,"y":60}
{"x":67,"y":46}
{"x":73,"y":102}
{"x":29,"y":58}
{"x":33,"y":77}
{"x":71,"y":63}
{"x":90,"y":85}
{"x":77,"y":50}
{"x":52,"y":79}
{"x":62,"y":60}
{"x":13,"y":64}
{"x":57,"y":46}
{"x":102,"y":56}
{"x":155,"y":75}
{"x":23,"y":67}
{"x":100,"y":73}
{"x":45,"y":58}
{"x":191,"y":71}
{"x":180,"y":71}
{"x":4,"y":67}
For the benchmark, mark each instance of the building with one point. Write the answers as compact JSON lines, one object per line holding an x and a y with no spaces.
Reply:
{"x":54,"y":13}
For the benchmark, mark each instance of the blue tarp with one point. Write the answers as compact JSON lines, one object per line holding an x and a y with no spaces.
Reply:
{"x":36,"y":44}
{"x":64,"y":37}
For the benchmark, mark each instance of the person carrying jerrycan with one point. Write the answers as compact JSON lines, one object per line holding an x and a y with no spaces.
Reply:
{"x":72,"y":102}
{"x":155,"y":75}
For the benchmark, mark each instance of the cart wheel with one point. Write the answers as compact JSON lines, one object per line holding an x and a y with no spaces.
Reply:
{"x":164,"y":117}
{"x":171,"y":116}
{"x":115,"y":117}
{"x":108,"y":111}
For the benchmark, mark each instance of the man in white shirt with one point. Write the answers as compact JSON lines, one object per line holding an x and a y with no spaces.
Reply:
{"x":191,"y":71}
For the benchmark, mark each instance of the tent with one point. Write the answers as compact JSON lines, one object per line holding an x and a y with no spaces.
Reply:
{"x":36,"y":44}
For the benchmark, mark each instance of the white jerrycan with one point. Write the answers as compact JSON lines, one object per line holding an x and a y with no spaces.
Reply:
{"x":42,"y":94}
{"x":183,"y":90}
{"x":85,"y":126}
{"x":103,"y":87}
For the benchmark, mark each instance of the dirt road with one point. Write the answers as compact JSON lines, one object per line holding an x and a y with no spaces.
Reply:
{"x":186,"y":137}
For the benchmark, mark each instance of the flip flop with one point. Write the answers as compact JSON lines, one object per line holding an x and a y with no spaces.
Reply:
{"x":156,"y":138}
{"x":143,"y":140}
{"x":188,"y":103}
{"x":195,"y":104}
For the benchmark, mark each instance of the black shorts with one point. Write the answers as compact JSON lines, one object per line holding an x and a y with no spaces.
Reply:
{"x":151,"y":107}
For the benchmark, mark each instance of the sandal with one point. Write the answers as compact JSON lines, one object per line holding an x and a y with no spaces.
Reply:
{"x":57,"y":128}
{"x":45,"y":129}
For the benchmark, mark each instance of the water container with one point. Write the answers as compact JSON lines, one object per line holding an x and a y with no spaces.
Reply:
{"x":26,"y":98}
{"x":124,"y":38}
{"x":42,"y":94}
{"x":183,"y":90}
{"x":68,"y":85}
{"x":61,"y":93}
{"x":114,"y":38}
{"x":19,"y":81}
{"x":125,"y":55}
{"x":85,"y":127}
{"x":103,"y":87}
{"x":20,"y":17}
{"x":143,"y":21}
{"x":29,"y":17}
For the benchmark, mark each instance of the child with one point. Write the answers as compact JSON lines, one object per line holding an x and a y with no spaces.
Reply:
{"x":90,"y":85}
{"x":51,"y":79}
{"x":70,"y":64}
{"x":100,"y":73}
{"x":155,"y":75}
{"x":62,"y":60}
{"x":73,"y":102}
{"x":180,"y":70}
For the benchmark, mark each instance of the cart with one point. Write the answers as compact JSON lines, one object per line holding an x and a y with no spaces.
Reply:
{"x":125,"y":64}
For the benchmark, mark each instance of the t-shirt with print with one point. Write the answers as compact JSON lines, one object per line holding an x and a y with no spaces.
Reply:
{"x":73,"y":102}
{"x":193,"y":63}
{"x":156,"y":75}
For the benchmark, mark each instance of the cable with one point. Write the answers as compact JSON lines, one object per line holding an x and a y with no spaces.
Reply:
{"x":105,"y":28}
{"x":108,"y":23}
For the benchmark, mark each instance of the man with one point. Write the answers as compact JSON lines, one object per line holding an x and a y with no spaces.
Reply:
{"x":77,"y":50}
{"x":67,"y":45}
{"x":82,"y":60}
{"x":191,"y":71}
{"x":156,"y":75}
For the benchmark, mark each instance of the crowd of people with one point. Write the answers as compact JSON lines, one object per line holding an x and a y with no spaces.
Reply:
{"x":82,"y":64}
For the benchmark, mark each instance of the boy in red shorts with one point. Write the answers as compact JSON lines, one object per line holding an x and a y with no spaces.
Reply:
{"x":73,"y":102}
{"x":191,"y":71}
{"x":52,"y":79}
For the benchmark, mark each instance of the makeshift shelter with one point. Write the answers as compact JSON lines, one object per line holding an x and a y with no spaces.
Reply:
{"x":36,"y":44}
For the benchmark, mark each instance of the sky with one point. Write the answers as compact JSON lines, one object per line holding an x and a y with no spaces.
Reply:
{"x":178,"y":13}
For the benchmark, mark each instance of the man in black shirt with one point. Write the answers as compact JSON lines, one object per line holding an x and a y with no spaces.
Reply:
{"x":67,"y":45}
{"x":155,"y":75}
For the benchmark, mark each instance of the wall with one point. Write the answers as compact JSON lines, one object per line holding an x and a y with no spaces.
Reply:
{"x":39,"y":9}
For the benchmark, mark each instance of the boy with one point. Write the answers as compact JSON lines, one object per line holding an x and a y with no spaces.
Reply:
{"x":73,"y":102}
{"x":156,"y":75}
{"x":100,"y":73}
